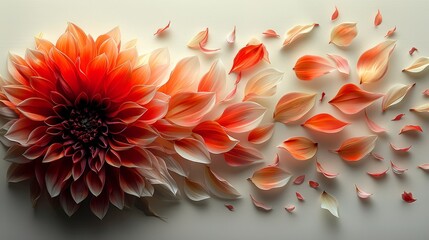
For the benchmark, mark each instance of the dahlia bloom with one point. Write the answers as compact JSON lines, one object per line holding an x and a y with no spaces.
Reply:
{"x":92,"y":121}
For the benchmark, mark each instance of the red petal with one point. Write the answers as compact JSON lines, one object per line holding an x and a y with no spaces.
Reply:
{"x":356,"y":148}
{"x":214,"y":80}
{"x":299,"y":180}
{"x":36,"y":109}
{"x":378,"y":174}
{"x":215,"y":138}
{"x":17,"y":93}
{"x":66,"y":201}
{"x":408,"y":197}
{"x":67,"y":44}
{"x":229,"y":207}
{"x":411,"y":128}
{"x":299,"y":196}
{"x":290,"y":208}
{"x":240,"y":155}
{"x":20,"y":172}
{"x":79,"y":190}
{"x":56,"y":175}
{"x":183,"y":77}
{"x":241,"y":117}
{"x":135,"y":157}
{"x":396,"y":169}
{"x":20,"y":130}
{"x":131,"y":181}
{"x":248,"y":57}
{"x":335,"y":14}
{"x":412,"y":50}
{"x":161,"y":30}
{"x":129,"y":112}
{"x":95,"y":181}
{"x":309,"y":67}
{"x":99,"y":205}
{"x":378,"y":18}
{"x":325,"y":123}
{"x":55,"y":152}
{"x":192,"y":150}
{"x":390,"y":32}
{"x":313,"y":184}
{"x":300,"y":148}
{"x":398,"y":117}
{"x":171,"y":131}
{"x":350,"y":99}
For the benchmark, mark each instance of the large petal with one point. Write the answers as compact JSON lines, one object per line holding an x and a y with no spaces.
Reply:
{"x":356,"y":148}
{"x":418,"y":65}
{"x":215,"y":138}
{"x":219,"y":186}
{"x":192,"y":150}
{"x":293,"y":106}
{"x":20,"y":172}
{"x":395,"y":95}
{"x":325,"y":123}
{"x":297,"y":32}
{"x":159,"y":61}
{"x":194,"y":191}
{"x":20,"y":130}
{"x":95,"y":181}
{"x":36,"y":109}
{"x":343,"y":34}
{"x":214,"y":80}
{"x":300,"y":148}
{"x":241,"y":117}
{"x":309,"y":67}
{"x":100,"y":204}
{"x":248,"y":57}
{"x":261,"y":134}
{"x":351,"y":99}
{"x":270,"y":177}
{"x":329,"y":203}
{"x":171,"y":131}
{"x":183,"y":77}
{"x":263,"y":84}
{"x":241,"y":155}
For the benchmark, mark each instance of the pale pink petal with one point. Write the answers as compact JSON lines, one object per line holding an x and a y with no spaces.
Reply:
{"x":241,"y":117}
{"x":161,"y":30}
{"x":343,"y":34}
{"x":231,"y":36}
{"x":396,"y":169}
{"x":400,"y":149}
{"x":270,"y":177}
{"x":329,"y":203}
{"x":424,"y":108}
{"x":313,"y":184}
{"x":351,"y":99}
{"x":276,"y":161}
{"x":342,"y":64}
{"x":418,"y":65}
{"x":215,"y":138}
{"x":395,"y":95}
{"x":373,"y":63}
{"x":262,"y":84}
{"x":426,"y":92}
{"x":299,"y":196}
{"x":356,"y":148}
{"x":207,"y":50}
{"x":183,"y":77}
{"x":390,"y":32}
{"x":259,"y":204}
{"x":408,"y":197}
{"x":411,"y":128}
{"x":219,"y":186}
{"x":261,"y":134}
{"x":412,"y":50}
{"x":271,"y":33}
{"x":297,"y":32}
{"x":299,"y":180}
{"x":362,"y":194}
{"x":241,"y":155}
{"x":321,"y":170}
{"x":398,"y":117}
{"x":200,"y":37}
{"x":325,"y":123}
{"x":194,"y":191}
{"x":290,"y":208}
{"x":378,"y":18}
{"x":378,"y":174}
{"x":309,"y":67}
{"x":335,"y":14}
{"x":214,"y":80}
{"x":372,"y":125}
{"x":192,"y":150}
{"x":293,"y":106}
{"x":424,"y":166}
{"x":377,"y":156}
{"x":301,"y":148}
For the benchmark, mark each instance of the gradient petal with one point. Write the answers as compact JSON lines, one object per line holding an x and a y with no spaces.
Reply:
{"x":262,"y":84}
{"x":343,"y":34}
{"x":219,"y":186}
{"x":183,"y":77}
{"x":297,"y":32}
{"x":270,"y":177}
{"x":215,"y":138}
{"x":261,"y":134}
{"x":356,"y":148}
{"x":214,"y":80}
{"x":351,"y":99}
{"x":241,"y":117}
{"x":395,"y":95}
{"x":300,"y":148}
{"x":309,"y":67}
{"x":249,"y":56}
{"x":293,"y":106}
{"x":241,"y":155}
{"x":192,"y":150}
{"x":325,"y":123}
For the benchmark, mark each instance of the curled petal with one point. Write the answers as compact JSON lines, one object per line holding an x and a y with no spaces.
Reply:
{"x":261,"y":134}
{"x":183,"y":77}
{"x":378,"y":18}
{"x":259,"y":204}
{"x":270,"y":177}
{"x":219,"y":186}
{"x":299,"y":180}
{"x":297,"y":32}
{"x":215,"y":138}
{"x":240,"y":155}
{"x":194,"y":191}
{"x":424,"y":108}
{"x":271,"y":33}
{"x":263,"y":84}
{"x":395,"y":95}
{"x":161,"y":30}
{"x":248,"y":57}
{"x":290,"y":208}
{"x":214,"y":80}
{"x":343,"y":34}
{"x":231,"y":36}
{"x":206,"y":50}
{"x":335,"y":14}
{"x":342,"y":64}
{"x":230,"y":207}
{"x":309,"y":67}
{"x":398,"y":117}
{"x":351,"y":99}
{"x":356,"y":148}
{"x":372,"y":125}
{"x":321,"y":170}
{"x":373,"y":63}
{"x":390,"y":32}
{"x":400,"y":149}
{"x":424,"y":166}
{"x":396,"y":169}
{"x":300,"y":148}
{"x":329,"y":203}
{"x":362,"y":194}
{"x":378,"y":174}
{"x":412,"y":50}
{"x":192,"y":150}
{"x":325,"y":123}
{"x":241,"y":117}
{"x":313,"y":184}
{"x":408,"y":128}
{"x":408,"y":197}
{"x":418,"y":65}
{"x":377,"y":156}
{"x":299,"y":196}
{"x":201,"y":37}
{"x":293,"y":106}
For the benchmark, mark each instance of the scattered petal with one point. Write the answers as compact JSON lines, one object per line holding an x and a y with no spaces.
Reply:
{"x":356,"y":148}
{"x":321,"y":170}
{"x":219,"y":186}
{"x":424,"y":166}
{"x":293,"y":106}
{"x":418,"y":65}
{"x":325,"y":123}
{"x":299,"y":196}
{"x":412,"y":50}
{"x":201,"y":37}
{"x":351,"y":99}
{"x":396,"y":169}
{"x":362,"y":194}
{"x":335,"y":14}
{"x":261,"y":134}
{"x":161,"y":30}
{"x":271,"y":33}
{"x":241,"y":155}
{"x":372,"y":125}
{"x":343,"y":34}
{"x":424,"y":108}
{"x":260,"y":205}
{"x":231,"y":36}
{"x":276,"y":162}
{"x":229,"y":207}
{"x":322,"y":96}
{"x":411,"y":128}
{"x":395,"y":95}
{"x":301,"y":148}
{"x":426,"y":92}
{"x":390,"y":32}
{"x":290,"y":208}
{"x":313,"y":184}
{"x":299,"y":180}
{"x":329,"y":203}
{"x":297,"y":32}
{"x":206,"y":50}
{"x":241,"y":117}
{"x":398,"y":117}
{"x":400,"y":149}
{"x":342,"y":64}
{"x":378,"y":19}
{"x":194,"y":191}
{"x":309,"y":67}
{"x":192,"y":150}
{"x":408,"y":197}
{"x":249,"y":56}
{"x":378,"y":174}
{"x":270,"y":177}
{"x":373,"y":63}
{"x":377,"y":156}
{"x":263,"y":84}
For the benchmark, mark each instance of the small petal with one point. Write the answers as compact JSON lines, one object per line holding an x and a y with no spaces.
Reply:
{"x":424,"y":166}
{"x":161,"y":30}
{"x":426,"y":92}
{"x":342,"y":64}
{"x":313,"y":184}
{"x":231,"y":36}
{"x":398,"y":117}
{"x":335,"y":14}
{"x":356,"y":148}
{"x":299,"y":196}
{"x":200,"y":37}
{"x":230,"y":207}
{"x":219,"y":186}
{"x":290,"y":208}
{"x":351,"y":99}
{"x":411,"y":128}
{"x":390,"y":32}
{"x":362,"y":194}
{"x":397,"y":170}
{"x":297,"y":32}
{"x":259,"y":204}
{"x":372,"y":125}
{"x":325,"y":123}
{"x":400,"y":149}
{"x":343,"y":34}
{"x":378,"y":174}
{"x":329,"y":203}
{"x":262,"y":84}
{"x":241,"y":117}
{"x":377,"y":156}
{"x":408,"y":197}
{"x":412,"y":50}
{"x":293,"y":106}
{"x":321,"y":170}
{"x":300,"y":148}
{"x":240,"y":155}
{"x":194,"y":191}
{"x":309,"y":67}
{"x":192,"y":150}
{"x":378,"y":18}
{"x":261,"y":134}
{"x":395,"y":95}
{"x":270,"y":177}
{"x":299,"y":180}
{"x":271,"y":33}
{"x":207,"y":50}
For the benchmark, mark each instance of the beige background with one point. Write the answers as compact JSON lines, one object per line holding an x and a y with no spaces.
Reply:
{"x":385,"y":216}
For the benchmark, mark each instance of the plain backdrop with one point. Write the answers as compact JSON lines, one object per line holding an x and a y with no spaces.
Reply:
{"x":384,"y":216}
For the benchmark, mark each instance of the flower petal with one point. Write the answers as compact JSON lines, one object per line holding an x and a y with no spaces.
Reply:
{"x":361,"y":194}
{"x":342,"y":64}
{"x":299,"y":180}
{"x":408,"y":128}
{"x":192,"y":150}
{"x":270,"y":177}
{"x":396,"y":169}
{"x":241,"y":117}
{"x":219,"y":186}
{"x":329,"y":203}
{"x":214,"y":80}
{"x":249,"y":56}
{"x":260,"y":205}
{"x":313,"y":184}
{"x":271,"y":33}
{"x":378,"y":18}
{"x":377,"y":156}
{"x":300,"y":148}
{"x":100,"y":205}
{"x":356,"y":148}
{"x":390,"y":32}
{"x":206,"y":50}
{"x":297,"y":32}
{"x":378,"y":174}
{"x":215,"y":138}
{"x":66,"y":201}
{"x":335,"y":14}
{"x":188,"y":108}
{"x":200,"y":37}
{"x":261,"y":134}
{"x":230,"y":207}
{"x":240,"y":155}
{"x":373,"y":63}
{"x":231,"y":36}
{"x":20,"y":130}
{"x":161,"y":30}
{"x":325,"y":123}
{"x":290,"y":208}
{"x":408,"y":197}
{"x":56,"y":176}
{"x":79,"y":190}
{"x":400,"y":149}
{"x":309,"y":67}
{"x":194,"y":191}
{"x":321,"y":170}
{"x":54,"y":152}
{"x":183,"y":77}
{"x":159,"y":61}
{"x":424,"y":166}
{"x":398,"y":117}
{"x":424,"y":108}
{"x":343,"y":34}
{"x":36,"y":109}
{"x":131,"y":181}
{"x":299,"y":196}
{"x":293,"y":106}
{"x":351,"y":99}
{"x":262,"y":84}
{"x":372,"y":125}
{"x":418,"y":65}
{"x":395,"y":95}
{"x":412,"y":50}
{"x":19,"y":172}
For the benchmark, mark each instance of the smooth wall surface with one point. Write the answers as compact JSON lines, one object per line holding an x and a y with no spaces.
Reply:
{"x":384,"y":216}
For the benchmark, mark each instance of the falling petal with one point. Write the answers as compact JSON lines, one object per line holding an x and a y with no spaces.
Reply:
{"x":335,"y":14}
{"x":395,"y":95}
{"x":161,"y":30}
{"x":342,"y":64}
{"x":194,"y":191}
{"x":356,"y":148}
{"x":271,"y":33}
{"x":290,"y":208}
{"x":412,"y":50}
{"x":215,"y":138}
{"x":329,"y":203}
{"x":362,"y":194}
{"x":313,"y":184}
{"x":400,"y":149}
{"x":377,"y":156}
{"x":293,"y":106}
{"x":343,"y":34}
{"x":373,"y":63}
{"x":372,"y":125}
{"x":201,"y":37}
{"x":378,"y":174}
{"x":299,"y":180}
{"x":396,"y":169}
{"x":390,"y":32}
{"x":263,"y":84}
{"x":219,"y":186}
{"x":398,"y":117}
{"x":408,"y":197}
{"x":241,"y":117}
{"x":424,"y":108}
{"x":297,"y":32}
{"x":322,"y":96}
{"x":378,"y":19}
{"x":411,"y":128}
{"x":208,"y":51}
{"x":299,"y":196}
{"x":270,"y":177}
{"x":300,"y":148}
{"x":261,"y":134}
{"x":424,"y":166}
{"x":214,"y":80}
{"x":325,"y":123}
{"x":309,"y":67}
{"x":231,"y":37}
{"x":418,"y":65}
{"x":260,"y":205}
{"x":321,"y":170}
{"x":351,"y":99}
{"x":249,"y":56}
{"x":241,"y":155}
{"x":229,"y":207}
{"x":192,"y":150}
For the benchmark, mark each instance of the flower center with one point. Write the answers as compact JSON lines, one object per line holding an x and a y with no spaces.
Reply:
{"x":86,"y":125}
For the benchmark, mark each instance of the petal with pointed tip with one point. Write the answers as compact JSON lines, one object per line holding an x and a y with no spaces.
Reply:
{"x":297,"y":32}
{"x":241,"y":117}
{"x":301,"y":148}
{"x":395,"y":95}
{"x":343,"y":34}
{"x":270,"y":177}
{"x":293,"y":106}
{"x":329,"y":203}
{"x":356,"y":148}
{"x":219,"y":186}
{"x":351,"y":99}
{"x":325,"y":123}
{"x":309,"y":67}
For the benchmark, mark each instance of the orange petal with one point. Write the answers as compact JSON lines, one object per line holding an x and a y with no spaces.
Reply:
{"x":351,"y":99}
{"x":192,"y":150}
{"x":342,"y":64}
{"x":248,"y":57}
{"x":194,"y":191}
{"x":309,"y":67}
{"x":231,"y":37}
{"x":325,"y":123}
{"x":293,"y":106}
{"x":271,"y":33}
{"x":297,"y":32}
{"x":261,"y":134}
{"x":300,"y":148}
{"x":161,"y":30}
{"x":183,"y":77}
{"x":343,"y":34}
{"x":400,"y":149}
{"x":335,"y":14}
{"x":418,"y":65}
{"x":214,"y":80}
{"x":395,"y":95}
{"x":259,"y":204}
{"x":241,"y":117}
{"x":321,"y":170}
{"x":378,"y":18}
{"x":390,"y":32}
{"x":372,"y":125}
{"x":240,"y":156}
{"x":411,"y":128}
{"x":378,"y":174}
{"x":270,"y":177}
{"x":424,"y":108}
{"x":188,"y":108}
{"x":159,"y":61}
{"x":201,"y":37}
{"x":356,"y":148}
{"x":361,"y":194}
{"x":373,"y":63}
{"x":397,"y":170}
{"x":263,"y":84}
{"x":219,"y":186}
{"x":215,"y":138}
